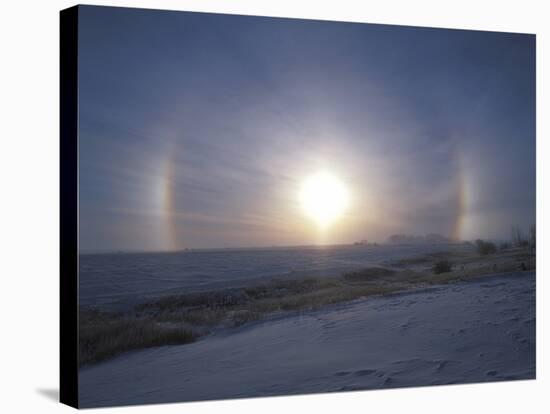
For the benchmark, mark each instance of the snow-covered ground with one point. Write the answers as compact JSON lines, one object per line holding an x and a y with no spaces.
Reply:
{"x":468,"y":332}
{"x":121,"y":280}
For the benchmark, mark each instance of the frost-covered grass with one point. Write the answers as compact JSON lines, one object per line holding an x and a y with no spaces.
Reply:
{"x":103,"y":335}
{"x":237,"y":306}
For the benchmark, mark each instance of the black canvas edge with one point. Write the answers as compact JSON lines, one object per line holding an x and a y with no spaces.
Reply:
{"x":68,"y":258}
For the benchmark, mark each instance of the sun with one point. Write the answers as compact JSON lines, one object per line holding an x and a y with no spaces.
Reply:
{"x":323,"y":198}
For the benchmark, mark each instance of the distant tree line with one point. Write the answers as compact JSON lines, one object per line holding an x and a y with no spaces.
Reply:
{"x":519,"y":240}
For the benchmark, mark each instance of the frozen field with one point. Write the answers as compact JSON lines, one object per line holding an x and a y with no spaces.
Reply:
{"x":120,"y":279}
{"x":467,"y":332}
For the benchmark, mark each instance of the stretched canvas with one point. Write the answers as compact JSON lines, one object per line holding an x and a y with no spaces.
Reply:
{"x":256,"y":206}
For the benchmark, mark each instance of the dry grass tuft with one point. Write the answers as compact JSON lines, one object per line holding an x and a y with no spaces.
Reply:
{"x":105,"y":335}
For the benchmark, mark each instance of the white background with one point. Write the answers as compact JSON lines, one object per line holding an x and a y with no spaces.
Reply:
{"x":29,"y":159}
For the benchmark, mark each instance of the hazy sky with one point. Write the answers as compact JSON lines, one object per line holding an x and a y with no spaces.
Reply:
{"x":197,"y":130}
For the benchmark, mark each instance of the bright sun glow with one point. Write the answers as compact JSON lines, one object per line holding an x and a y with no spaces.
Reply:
{"x":323,"y":198}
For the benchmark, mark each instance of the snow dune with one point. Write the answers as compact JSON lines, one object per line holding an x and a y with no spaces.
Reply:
{"x":474,"y":331}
